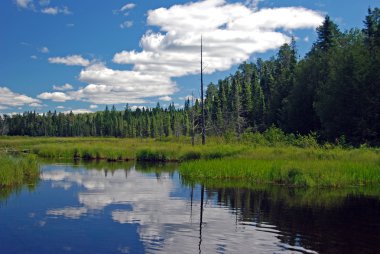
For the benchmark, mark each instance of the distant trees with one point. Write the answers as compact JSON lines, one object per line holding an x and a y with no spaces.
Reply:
{"x":334,"y":91}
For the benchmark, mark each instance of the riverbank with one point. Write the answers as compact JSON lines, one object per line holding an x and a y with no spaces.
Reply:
{"x":267,"y":162}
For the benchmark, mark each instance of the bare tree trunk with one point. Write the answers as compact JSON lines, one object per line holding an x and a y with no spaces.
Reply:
{"x":192,"y":120}
{"x":202,"y":99}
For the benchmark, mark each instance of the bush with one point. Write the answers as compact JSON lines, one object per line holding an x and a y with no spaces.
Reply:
{"x":275,"y":136}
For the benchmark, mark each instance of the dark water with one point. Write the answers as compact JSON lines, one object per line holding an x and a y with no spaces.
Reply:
{"x":122,"y":208}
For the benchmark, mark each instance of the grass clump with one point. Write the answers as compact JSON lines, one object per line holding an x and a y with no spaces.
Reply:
{"x":17,"y":171}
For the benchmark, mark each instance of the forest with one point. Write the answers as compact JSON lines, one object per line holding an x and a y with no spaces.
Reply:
{"x":332,"y":92}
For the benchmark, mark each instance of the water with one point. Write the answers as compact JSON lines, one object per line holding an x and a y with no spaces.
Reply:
{"x":150,"y":209}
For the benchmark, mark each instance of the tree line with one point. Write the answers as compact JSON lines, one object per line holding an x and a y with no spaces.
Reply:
{"x":333,"y":91}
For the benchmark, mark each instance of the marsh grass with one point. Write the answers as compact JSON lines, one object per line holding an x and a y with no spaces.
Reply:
{"x":307,"y":169}
{"x":115,"y":149}
{"x":18,"y":171}
{"x":274,"y":161}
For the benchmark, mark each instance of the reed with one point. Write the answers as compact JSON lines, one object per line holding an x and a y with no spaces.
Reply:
{"x":17,"y":171}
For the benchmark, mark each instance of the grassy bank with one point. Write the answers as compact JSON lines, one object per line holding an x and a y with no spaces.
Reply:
{"x":298,"y":162}
{"x":292,"y":166}
{"x":17,"y":171}
{"x":116,"y":149}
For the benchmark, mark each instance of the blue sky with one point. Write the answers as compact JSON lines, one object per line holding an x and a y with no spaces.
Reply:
{"x":82,"y":55}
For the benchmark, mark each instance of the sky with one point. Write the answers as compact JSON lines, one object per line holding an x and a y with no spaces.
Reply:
{"x":82,"y":55}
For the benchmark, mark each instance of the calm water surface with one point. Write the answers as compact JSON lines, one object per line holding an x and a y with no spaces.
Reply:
{"x":122,"y":208}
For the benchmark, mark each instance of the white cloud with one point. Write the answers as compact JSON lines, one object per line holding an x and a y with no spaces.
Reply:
{"x":60,"y":107}
{"x":70,"y":25}
{"x":232,"y":32}
{"x":72,"y":60}
{"x":78,"y":111}
{"x":187,"y":97}
{"x":93,"y":106}
{"x":44,"y":50}
{"x":50,"y":10}
{"x":126,"y":24}
{"x":34,"y":57}
{"x":36,"y":105}
{"x":56,"y":96}
{"x":56,"y":10}
{"x":11,"y":99}
{"x":26,"y":4}
{"x":306,"y":39}
{"x":165,"y":98}
{"x":128,"y":6}
{"x":107,"y":86}
{"x":64,"y":87}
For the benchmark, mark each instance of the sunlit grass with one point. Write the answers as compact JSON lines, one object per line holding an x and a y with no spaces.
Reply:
{"x":277,"y":164}
{"x":304,"y":168}
{"x":17,"y":171}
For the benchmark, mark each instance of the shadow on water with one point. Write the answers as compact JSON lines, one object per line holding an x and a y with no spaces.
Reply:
{"x":324,"y":220}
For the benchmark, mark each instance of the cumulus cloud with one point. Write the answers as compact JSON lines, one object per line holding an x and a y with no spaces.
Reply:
{"x":72,"y":60}
{"x":34,"y":57}
{"x":64,"y":87}
{"x":12,"y":99}
{"x":108,"y":86}
{"x":231,"y":35}
{"x":93,"y":106}
{"x":56,"y":96}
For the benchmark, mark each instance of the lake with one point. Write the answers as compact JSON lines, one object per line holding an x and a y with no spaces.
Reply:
{"x":148,"y":208}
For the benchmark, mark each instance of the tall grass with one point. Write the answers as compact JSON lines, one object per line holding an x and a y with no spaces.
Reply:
{"x":293,"y":173}
{"x":271,"y":157}
{"x":116,"y":149}
{"x":291,"y":166}
{"x":17,"y":171}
